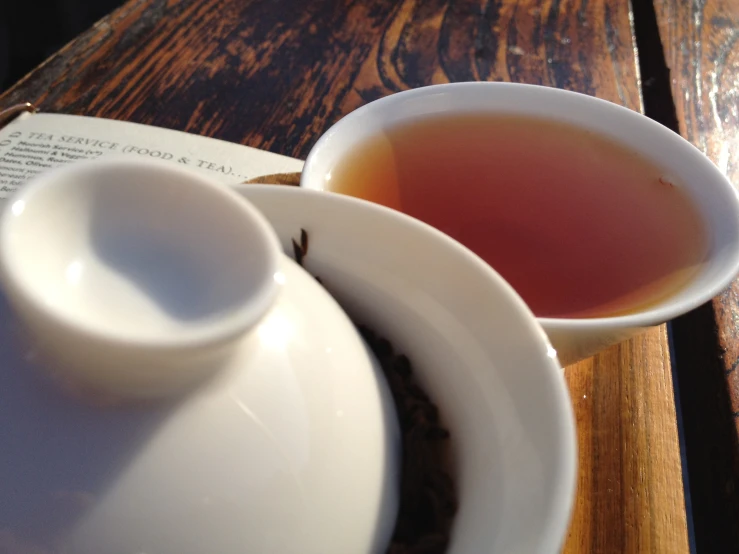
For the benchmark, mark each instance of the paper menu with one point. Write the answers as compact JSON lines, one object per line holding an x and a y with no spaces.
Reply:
{"x":33,"y":143}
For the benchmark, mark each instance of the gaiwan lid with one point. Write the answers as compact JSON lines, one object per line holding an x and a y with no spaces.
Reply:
{"x":291,"y":446}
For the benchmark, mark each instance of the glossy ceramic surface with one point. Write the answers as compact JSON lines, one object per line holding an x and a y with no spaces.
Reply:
{"x":475,"y":346}
{"x":121,"y":265}
{"x":291,"y":448}
{"x":713,"y":194}
{"x":286,"y":441}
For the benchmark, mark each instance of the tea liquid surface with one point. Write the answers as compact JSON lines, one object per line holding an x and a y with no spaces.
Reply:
{"x":578,"y":225}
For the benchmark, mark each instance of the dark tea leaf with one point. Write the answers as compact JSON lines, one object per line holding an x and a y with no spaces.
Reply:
{"x":304,"y":241}
{"x":298,"y":253}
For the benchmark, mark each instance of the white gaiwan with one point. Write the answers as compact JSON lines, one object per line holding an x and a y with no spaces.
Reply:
{"x":213,"y":398}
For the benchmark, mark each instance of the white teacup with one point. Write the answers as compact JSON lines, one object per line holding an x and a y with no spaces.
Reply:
{"x":713,"y":195}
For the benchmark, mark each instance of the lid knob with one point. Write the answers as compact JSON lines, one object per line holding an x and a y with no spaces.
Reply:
{"x":135,"y":278}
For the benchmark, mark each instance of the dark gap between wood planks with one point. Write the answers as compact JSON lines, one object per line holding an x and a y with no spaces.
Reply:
{"x":706,"y":428}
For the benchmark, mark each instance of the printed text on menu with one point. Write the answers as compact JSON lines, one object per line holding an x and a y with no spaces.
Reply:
{"x":41,"y":142}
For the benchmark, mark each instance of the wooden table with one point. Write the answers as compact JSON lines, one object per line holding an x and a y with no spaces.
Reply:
{"x":276,"y":74}
{"x":701,"y":46}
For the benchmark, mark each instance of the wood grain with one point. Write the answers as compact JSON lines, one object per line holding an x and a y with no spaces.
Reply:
{"x":630,"y":467}
{"x":276,"y":74}
{"x":701,"y":45}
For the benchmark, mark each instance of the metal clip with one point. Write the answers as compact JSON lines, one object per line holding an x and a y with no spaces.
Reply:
{"x":9,"y":114}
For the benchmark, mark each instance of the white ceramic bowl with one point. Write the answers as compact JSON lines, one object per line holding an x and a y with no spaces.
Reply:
{"x":475,"y":346}
{"x":291,"y":445}
{"x":120,"y":265}
{"x":713,"y":195}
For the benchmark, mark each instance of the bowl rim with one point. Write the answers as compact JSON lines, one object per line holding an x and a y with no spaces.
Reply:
{"x":561,"y":502}
{"x":210,"y":332}
{"x":665,"y":310}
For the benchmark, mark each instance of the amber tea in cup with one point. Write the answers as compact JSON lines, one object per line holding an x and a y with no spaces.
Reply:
{"x":579,"y":225}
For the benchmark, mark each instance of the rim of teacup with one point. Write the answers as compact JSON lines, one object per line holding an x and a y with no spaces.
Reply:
{"x":675,"y":304}
{"x":213,"y":331}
